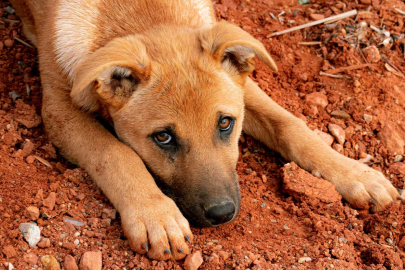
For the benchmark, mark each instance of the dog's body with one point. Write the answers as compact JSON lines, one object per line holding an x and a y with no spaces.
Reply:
{"x":173,"y":82}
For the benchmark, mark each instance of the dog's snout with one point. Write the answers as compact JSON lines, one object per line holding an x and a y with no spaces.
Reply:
{"x":220,"y":213}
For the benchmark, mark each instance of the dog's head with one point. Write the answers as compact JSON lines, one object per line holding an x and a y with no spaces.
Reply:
{"x":176,"y":97}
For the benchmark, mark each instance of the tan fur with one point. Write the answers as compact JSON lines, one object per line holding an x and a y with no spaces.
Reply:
{"x":145,"y":65}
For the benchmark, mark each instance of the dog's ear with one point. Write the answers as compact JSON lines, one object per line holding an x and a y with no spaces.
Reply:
{"x":111,"y":74}
{"x":234,"y":47}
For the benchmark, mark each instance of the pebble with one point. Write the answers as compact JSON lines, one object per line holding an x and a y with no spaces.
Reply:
{"x":70,"y":263}
{"x":398,"y":158}
{"x":223,"y":254}
{"x":30,"y":159}
{"x":50,"y":201}
{"x":32,"y":212}
{"x":397,"y":168}
{"x":327,"y":138}
{"x":357,"y":83}
{"x":44,"y":243}
{"x":74,"y":222}
{"x":339,"y":114}
{"x":91,"y":260}
{"x":391,"y":140}
{"x":30,"y":258}
{"x":28,"y":148}
{"x":50,"y":263}
{"x":9,"y":265}
{"x":316,"y":17}
{"x":366,"y":159}
{"x":193,"y":261}
{"x":401,"y":243}
{"x":372,"y":54}
{"x":338,"y":133}
{"x":9,"y":43}
{"x":31,"y":233}
{"x":367,"y":118}
{"x":109,"y":213}
{"x":317,"y":99}
{"x":9,"y":251}
{"x":304,"y":259}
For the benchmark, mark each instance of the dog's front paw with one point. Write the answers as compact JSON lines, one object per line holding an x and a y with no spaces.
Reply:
{"x":157,"y":228}
{"x":362,"y":186}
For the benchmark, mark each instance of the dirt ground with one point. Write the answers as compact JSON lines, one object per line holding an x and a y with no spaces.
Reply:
{"x":288,"y":219}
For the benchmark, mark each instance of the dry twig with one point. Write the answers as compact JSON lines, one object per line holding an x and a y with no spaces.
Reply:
{"x":328,"y":20}
{"x":23,"y":42}
{"x":338,"y":70}
{"x":336,"y":76}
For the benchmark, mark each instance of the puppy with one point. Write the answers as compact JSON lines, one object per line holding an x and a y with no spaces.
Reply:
{"x":173,"y":84}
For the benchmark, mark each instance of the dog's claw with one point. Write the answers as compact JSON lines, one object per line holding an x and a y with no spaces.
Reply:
{"x":167,"y":251}
{"x":373,"y":202}
{"x":181,"y":250}
{"x":146,"y":247}
{"x":188,"y":239}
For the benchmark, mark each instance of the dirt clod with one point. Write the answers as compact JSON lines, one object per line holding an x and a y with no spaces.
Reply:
{"x":91,"y":260}
{"x":193,"y":261}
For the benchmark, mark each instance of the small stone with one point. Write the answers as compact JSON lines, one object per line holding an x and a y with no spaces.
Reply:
{"x":91,"y":260}
{"x":30,"y":258}
{"x":367,"y":2}
{"x":223,"y":254}
{"x":193,"y":261}
{"x":31,"y":233}
{"x":394,"y":224}
{"x":304,"y":259}
{"x":44,"y":243}
{"x":70,"y":263}
{"x":372,"y":54}
{"x":391,"y":140}
{"x":317,"y":17}
{"x":9,"y":251}
{"x":317,"y":99}
{"x":9,"y":43}
{"x":397,"y":168}
{"x":50,"y":201}
{"x":32,"y":213}
{"x":339,"y":114}
{"x":327,"y":138}
{"x":28,"y":148}
{"x":50,"y":263}
{"x":367,"y":118}
{"x":401,"y":243}
{"x":366,"y":159}
{"x":338,"y":133}
{"x":398,"y":158}
{"x":73,"y":221}
{"x":338,"y":148}
{"x":109,"y":213}
{"x":237,"y":249}
{"x":30,"y":159}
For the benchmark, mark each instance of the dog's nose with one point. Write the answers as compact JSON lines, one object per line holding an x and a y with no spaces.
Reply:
{"x":220,"y":213}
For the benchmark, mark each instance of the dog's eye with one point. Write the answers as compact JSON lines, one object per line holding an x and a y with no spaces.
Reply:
{"x":163,"y":138}
{"x":225,"y":124}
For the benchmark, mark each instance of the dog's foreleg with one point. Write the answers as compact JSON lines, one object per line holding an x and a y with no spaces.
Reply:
{"x":268,"y":122}
{"x":151,"y":221}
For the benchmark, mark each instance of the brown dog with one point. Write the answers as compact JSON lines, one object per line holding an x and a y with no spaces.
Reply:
{"x":173,"y":83}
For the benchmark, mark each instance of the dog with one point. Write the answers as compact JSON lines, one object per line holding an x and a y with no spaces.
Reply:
{"x":151,"y":96}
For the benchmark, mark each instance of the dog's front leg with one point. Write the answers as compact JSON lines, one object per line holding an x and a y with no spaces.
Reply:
{"x":151,"y":221}
{"x":281,"y":131}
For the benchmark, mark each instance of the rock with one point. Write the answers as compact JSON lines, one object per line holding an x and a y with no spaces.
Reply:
{"x":304,"y":259}
{"x":91,"y":260}
{"x":306,"y":187}
{"x":317,"y":99}
{"x":327,"y":138}
{"x":9,"y":43}
{"x":317,"y":17}
{"x":30,"y":258}
{"x":50,"y":201}
{"x":223,"y":254}
{"x":339,"y":114}
{"x":9,"y":251}
{"x":366,"y":159}
{"x":30,"y":159}
{"x":31,"y":233}
{"x":372,"y":54}
{"x":397,"y":168}
{"x":32,"y":212}
{"x":338,"y":148}
{"x":109,"y":213}
{"x":28,"y":148}
{"x":367,"y":118}
{"x":338,"y":133}
{"x":26,"y":115}
{"x":44,"y":243}
{"x":73,"y":221}
{"x":391,"y":140}
{"x":357,"y":83}
{"x":193,"y":261}
{"x":50,"y":263}
{"x":401,"y":243}
{"x":349,"y":131}
{"x":398,"y":158}
{"x":70,"y":263}
{"x":367,"y":2}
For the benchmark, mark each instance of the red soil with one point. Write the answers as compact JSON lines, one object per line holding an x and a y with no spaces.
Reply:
{"x":287,"y":216}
